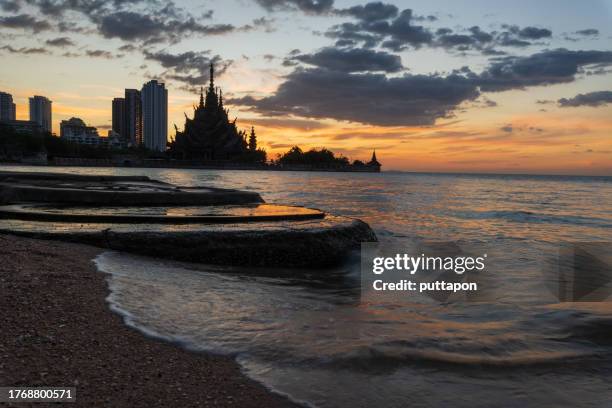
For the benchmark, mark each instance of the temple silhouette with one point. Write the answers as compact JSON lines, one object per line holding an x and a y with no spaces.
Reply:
{"x":210,"y":138}
{"x":374,"y":165}
{"x":210,"y":135}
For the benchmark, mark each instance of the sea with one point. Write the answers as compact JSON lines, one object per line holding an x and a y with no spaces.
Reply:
{"x":317,"y":339}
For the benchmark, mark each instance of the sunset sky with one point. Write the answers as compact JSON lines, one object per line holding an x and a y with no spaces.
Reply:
{"x":476,"y":86}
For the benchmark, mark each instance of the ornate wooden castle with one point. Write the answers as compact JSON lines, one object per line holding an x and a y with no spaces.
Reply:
{"x":209,"y":135}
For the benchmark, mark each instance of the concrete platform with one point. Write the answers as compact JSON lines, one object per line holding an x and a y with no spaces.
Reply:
{"x":148,"y":217}
{"x":111,"y":190}
{"x":313,"y":243}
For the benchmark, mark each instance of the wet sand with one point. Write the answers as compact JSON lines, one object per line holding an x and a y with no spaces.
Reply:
{"x":57,"y":330}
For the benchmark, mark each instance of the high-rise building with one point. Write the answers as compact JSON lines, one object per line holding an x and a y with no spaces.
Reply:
{"x":133,"y":117}
{"x":155,"y":115}
{"x":119,"y":116}
{"x":7,"y":107}
{"x":40,"y":112}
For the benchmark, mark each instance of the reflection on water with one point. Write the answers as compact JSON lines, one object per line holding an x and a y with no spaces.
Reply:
{"x":244,"y":210}
{"x":315,"y":338}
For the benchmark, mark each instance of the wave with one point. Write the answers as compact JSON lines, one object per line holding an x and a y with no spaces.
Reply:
{"x":391,"y":355}
{"x":532,"y":217}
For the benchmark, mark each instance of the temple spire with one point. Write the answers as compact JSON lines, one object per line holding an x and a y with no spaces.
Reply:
{"x":374,"y":156}
{"x":212,"y":76}
{"x":201,"y":97}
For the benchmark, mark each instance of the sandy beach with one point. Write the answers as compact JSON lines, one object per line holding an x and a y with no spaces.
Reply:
{"x":57,"y":330}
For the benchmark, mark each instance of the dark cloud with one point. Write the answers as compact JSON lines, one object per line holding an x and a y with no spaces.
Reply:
{"x":262,"y":22}
{"x":184,"y":62}
{"x":492,"y":52}
{"x":367,"y":98}
{"x":534,"y":33}
{"x":65,"y":27}
{"x":480,"y":36}
{"x":474,"y":38}
{"x":452,"y":40}
{"x":24,"y":50}
{"x":374,"y":11}
{"x":190,"y":68}
{"x":307,"y":6}
{"x":146,"y":21}
{"x":96,"y":8}
{"x":57,"y":8}
{"x":587,"y":32}
{"x":402,"y":29}
{"x":544,"y":68}
{"x":352,"y":60}
{"x":414,"y":99}
{"x":593,"y":99}
{"x":24,"y":21}
{"x":127,"y":48}
{"x":429,"y":18}
{"x":506,"y":40}
{"x":130,"y":26}
{"x":99,"y":54}
{"x":489,"y":103}
{"x":507,"y":128}
{"x":396,"y":33}
{"x":11,"y":6}
{"x":350,"y":33}
{"x":381,"y":24}
{"x":60,"y":42}
{"x":345,"y":43}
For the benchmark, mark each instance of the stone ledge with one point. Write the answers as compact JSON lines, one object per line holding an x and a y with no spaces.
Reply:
{"x":305,"y":244}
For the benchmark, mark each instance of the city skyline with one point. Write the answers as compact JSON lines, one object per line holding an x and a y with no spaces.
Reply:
{"x":492,"y":87}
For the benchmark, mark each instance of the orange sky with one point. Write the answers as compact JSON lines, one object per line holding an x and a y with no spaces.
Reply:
{"x":558,"y":141}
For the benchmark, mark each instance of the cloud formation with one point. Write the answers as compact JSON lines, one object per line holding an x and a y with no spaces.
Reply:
{"x":418,"y":100}
{"x":24,"y":50}
{"x":381,"y":24}
{"x":396,"y":33}
{"x":543,"y":68}
{"x":593,"y":99}
{"x":352,"y":60}
{"x":11,"y":6}
{"x":307,"y":6}
{"x":130,"y":26}
{"x":587,"y":32}
{"x":367,"y":98}
{"x":25,"y":22}
{"x":371,"y":12}
{"x":146,"y":21}
{"x":99,"y":54}
{"x":190,"y":68}
{"x":60,"y":42}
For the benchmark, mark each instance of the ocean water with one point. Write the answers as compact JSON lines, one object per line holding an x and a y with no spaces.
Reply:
{"x":316,"y":338}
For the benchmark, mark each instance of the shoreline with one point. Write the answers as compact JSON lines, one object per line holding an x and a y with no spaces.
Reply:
{"x":110,"y":164}
{"x":58,"y":330}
